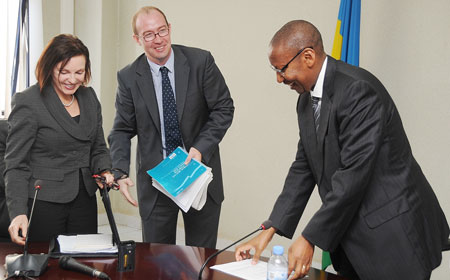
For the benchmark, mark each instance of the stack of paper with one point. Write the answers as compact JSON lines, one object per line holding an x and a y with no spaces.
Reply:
{"x":244,"y":269}
{"x":86,"y":243}
{"x":186,"y":185}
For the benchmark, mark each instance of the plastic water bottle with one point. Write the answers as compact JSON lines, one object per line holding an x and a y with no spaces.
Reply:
{"x":277,"y":267}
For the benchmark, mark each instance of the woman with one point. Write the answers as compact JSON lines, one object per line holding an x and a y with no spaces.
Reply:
{"x":56,"y":136}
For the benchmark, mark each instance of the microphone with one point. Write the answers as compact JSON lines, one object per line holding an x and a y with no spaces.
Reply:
{"x":265,"y":225}
{"x":26,"y":265}
{"x":70,"y":263}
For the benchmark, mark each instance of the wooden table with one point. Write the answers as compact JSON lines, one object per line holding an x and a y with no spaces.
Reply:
{"x":153,"y":261}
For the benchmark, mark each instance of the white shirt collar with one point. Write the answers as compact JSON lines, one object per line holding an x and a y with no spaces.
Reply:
{"x":318,"y":88}
{"x":169,"y":64}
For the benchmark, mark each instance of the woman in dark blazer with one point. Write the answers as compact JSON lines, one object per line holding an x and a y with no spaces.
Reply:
{"x":4,"y":217}
{"x":56,"y":136}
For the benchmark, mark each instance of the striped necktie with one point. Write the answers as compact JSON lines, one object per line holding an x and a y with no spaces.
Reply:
{"x":316,"y":110}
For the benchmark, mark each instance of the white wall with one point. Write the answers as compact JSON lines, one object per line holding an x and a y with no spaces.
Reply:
{"x":405,"y":43}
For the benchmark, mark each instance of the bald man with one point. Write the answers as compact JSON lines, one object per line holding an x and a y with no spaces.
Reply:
{"x":170,"y":96}
{"x":379,"y":217}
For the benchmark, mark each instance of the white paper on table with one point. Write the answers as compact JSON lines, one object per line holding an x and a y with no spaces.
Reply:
{"x":244,"y":269}
{"x":87,"y":243}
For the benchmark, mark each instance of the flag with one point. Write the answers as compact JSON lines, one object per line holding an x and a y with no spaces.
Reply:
{"x":346,"y":38}
{"x":346,"y":48}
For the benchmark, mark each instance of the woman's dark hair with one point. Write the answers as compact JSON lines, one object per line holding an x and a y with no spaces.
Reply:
{"x":61,"y":49}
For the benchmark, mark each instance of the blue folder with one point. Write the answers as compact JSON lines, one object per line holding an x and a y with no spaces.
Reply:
{"x":175,"y":176}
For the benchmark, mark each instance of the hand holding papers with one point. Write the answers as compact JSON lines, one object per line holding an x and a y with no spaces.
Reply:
{"x":186,"y":185}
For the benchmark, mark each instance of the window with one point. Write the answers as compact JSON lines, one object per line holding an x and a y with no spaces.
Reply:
{"x":9,"y":12}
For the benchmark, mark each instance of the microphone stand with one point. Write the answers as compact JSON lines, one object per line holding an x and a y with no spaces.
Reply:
{"x":126,"y":249}
{"x":27,"y":265}
{"x":264,"y":226}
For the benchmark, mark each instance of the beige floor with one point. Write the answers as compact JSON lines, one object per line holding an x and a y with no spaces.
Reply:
{"x":127,"y":232}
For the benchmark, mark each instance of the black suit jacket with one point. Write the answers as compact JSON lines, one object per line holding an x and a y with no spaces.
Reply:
{"x":44,"y":142}
{"x":4,"y":217}
{"x":377,"y":204}
{"x":205,"y":111}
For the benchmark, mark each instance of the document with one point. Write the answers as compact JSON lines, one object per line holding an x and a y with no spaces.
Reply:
{"x":244,"y":269}
{"x":186,"y":185}
{"x":86,"y":243}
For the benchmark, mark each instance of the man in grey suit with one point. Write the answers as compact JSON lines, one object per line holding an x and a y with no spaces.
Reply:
{"x":379,"y":219}
{"x":170,"y":96}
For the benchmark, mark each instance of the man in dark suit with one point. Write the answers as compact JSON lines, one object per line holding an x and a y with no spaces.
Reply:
{"x":380,"y":218}
{"x":170,"y":96}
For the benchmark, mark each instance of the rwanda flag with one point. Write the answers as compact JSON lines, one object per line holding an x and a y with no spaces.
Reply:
{"x":346,"y":48}
{"x":346,"y":38}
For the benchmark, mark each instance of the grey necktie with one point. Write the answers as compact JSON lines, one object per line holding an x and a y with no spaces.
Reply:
{"x":316,"y":110}
{"x":171,"y":125}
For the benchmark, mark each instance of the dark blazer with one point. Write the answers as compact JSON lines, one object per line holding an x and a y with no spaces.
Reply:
{"x":44,"y":142}
{"x":377,"y":204}
{"x":4,"y":217}
{"x":205,"y":111}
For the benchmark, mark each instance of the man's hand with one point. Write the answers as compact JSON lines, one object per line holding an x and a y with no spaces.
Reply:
{"x":124,"y":184}
{"x":18,"y":223}
{"x":300,"y":257}
{"x":193,"y":153}
{"x":258,"y":243}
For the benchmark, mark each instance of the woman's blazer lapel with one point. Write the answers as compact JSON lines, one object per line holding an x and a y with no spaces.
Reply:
{"x":81,"y":130}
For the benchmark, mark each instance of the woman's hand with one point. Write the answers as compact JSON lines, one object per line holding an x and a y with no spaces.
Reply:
{"x":19,"y":223}
{"x":109,"y":179}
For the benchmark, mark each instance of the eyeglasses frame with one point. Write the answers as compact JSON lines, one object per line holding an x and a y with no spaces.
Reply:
{"x":283,"y":69}
{"x":156,"y":34}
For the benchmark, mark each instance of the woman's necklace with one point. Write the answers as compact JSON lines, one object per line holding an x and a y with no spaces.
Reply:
{"x":70,"y":103}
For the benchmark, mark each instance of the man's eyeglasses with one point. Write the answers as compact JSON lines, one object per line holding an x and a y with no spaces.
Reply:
{"x":148,"y":37}
{"x":281,"y":71}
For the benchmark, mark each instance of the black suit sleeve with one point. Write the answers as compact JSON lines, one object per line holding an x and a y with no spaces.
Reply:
{"x":292,"y":201}
{"x":100,"y":157}
{"x":220,"y":107}
{"x":3,"y":135}
{"x":124,"y":127}
{"x":22,"y":134}
{"x":4,"y":216}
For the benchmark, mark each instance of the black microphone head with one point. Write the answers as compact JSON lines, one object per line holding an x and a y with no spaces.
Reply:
{"x":38,"y":184}
{"x":70,"y":263}
{"x":63,"y":261}
{"x":266,"y":224}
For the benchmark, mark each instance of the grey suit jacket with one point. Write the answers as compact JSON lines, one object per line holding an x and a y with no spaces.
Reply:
{"x":4,"y":216}
{"x":377,"y":204}
{"x":205,"y":111}
{"x":44,"y":142}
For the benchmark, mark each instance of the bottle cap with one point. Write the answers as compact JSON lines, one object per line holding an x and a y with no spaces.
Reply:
{"x":278,"y":250}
